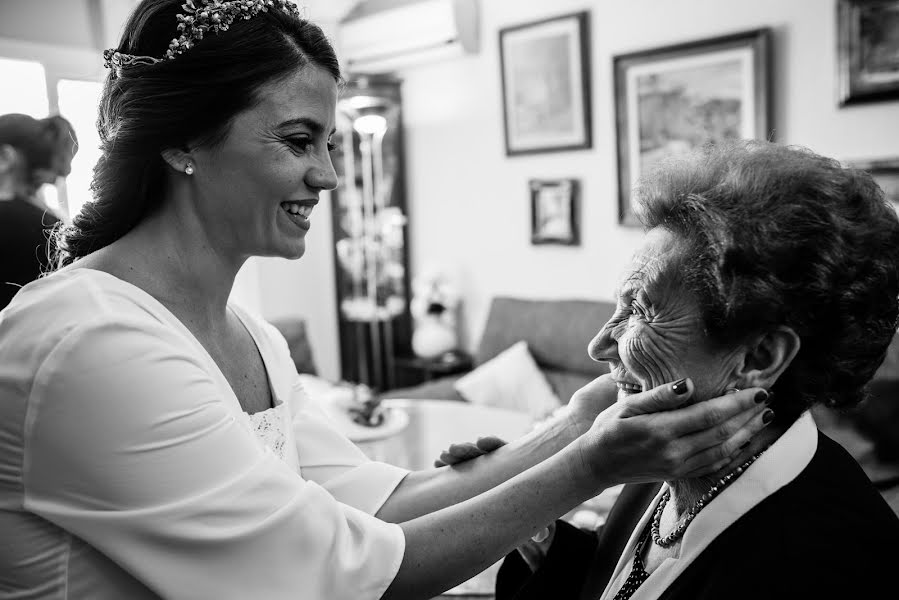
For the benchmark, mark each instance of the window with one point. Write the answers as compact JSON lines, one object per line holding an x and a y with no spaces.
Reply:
{"x":78,"y":102}
{"x":29,"y":93}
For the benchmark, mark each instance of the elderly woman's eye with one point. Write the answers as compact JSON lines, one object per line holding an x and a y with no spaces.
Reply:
{"x":637,"y":310}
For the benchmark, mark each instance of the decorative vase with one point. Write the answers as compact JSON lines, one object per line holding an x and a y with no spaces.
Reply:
{"x":432,"y":337}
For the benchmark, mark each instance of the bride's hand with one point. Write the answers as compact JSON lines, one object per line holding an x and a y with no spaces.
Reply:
{"x":652,"y":436}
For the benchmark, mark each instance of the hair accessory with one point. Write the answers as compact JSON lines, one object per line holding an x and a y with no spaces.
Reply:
{"x":189,"y":169}
{"x":200,"y":18}
{"x":713,"y":491}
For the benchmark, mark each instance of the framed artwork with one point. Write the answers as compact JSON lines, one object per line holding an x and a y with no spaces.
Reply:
{"x":867,"y":50}
{"x":546,"y":85}
{"x":554,"y":212}
{"x":885,"y":173}
{"x":673,"y":99}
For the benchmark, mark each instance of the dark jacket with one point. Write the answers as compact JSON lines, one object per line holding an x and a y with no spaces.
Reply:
{"x":23,"y":245}
{"x":826,"y":534}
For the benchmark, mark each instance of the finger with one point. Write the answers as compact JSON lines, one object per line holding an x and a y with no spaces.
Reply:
{"x":448,"y":458}
{"x":458,"y":453}
{"x":490,"y":443}
{"x":465,"y":451}
{"x":665,"y":397}
{"x":730,"y":451}
{"x":712,"y":413}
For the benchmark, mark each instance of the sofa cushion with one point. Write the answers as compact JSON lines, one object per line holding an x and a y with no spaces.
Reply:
{"x":510,"y":380}
{"x":556,"y":331}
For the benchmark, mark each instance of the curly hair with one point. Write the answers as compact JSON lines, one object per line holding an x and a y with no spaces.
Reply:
{"x":189,"y":100}
{"x":776,"y":235}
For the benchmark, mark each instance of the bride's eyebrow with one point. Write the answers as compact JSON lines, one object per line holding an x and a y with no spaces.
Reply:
{"x":315,"y":127}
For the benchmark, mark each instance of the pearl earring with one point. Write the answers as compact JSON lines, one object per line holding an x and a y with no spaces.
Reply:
{"x":189,"y":169}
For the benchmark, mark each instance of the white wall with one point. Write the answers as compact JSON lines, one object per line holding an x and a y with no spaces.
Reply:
{"x":469,"y":203}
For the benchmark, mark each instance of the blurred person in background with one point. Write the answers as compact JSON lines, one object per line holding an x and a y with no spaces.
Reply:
{"x":33,"y":152}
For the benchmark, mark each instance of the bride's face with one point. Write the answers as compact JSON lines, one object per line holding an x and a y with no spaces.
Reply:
{"x":255,"y":190}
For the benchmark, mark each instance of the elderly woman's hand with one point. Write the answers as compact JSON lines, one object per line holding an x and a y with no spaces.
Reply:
{"x":653,"y":436}
{"x":465,"y":451}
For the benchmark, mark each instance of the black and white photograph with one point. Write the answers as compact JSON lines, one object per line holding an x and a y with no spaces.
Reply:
{"x":674,"y":99}
{"x":868,"y":50}
{"x":546,"y":85}
{"x":449,"y":300}
{"x":554,"y":212}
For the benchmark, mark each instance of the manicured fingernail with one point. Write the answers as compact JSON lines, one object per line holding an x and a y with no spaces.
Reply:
{"x":680,"y":387}
{"x":767,"y":416}
{"x":761,"y":396}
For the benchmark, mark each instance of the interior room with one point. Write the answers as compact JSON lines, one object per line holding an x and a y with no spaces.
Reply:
{"x":487,"y":159}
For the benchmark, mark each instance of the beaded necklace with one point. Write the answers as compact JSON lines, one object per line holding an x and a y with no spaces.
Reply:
{"x":713,"y":491}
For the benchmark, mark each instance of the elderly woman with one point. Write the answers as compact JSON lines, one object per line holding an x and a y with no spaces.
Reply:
{"x":764,"y":266}
{"x":154,"y":439}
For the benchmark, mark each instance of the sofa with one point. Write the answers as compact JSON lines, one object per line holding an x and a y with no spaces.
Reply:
{"x":557,"y":333}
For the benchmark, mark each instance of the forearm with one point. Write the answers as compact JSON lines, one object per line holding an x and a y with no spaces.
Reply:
{"x":451,"y":545}
{"x":423,"y":492}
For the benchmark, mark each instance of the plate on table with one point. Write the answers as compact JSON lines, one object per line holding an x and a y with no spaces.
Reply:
{"x":395,"y":420}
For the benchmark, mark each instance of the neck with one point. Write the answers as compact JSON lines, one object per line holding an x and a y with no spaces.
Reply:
{"x":686,"y":492}
{"x":170,"y":255}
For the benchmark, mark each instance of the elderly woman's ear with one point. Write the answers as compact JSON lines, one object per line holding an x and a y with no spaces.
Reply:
{"x":767,"y":357}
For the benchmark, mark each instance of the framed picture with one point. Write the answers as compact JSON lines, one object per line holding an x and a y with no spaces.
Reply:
{"x":885,"y":173}
{"x":867,"y":50}
{"x":546,"y":85}
{"x":554,"y":212}
{"x":673,"y":99}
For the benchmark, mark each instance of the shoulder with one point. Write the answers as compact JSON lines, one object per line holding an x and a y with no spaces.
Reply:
{"x":66,"y":313}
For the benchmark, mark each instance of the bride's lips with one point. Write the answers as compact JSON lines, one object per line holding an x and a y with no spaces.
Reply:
{"x":299,"y":211}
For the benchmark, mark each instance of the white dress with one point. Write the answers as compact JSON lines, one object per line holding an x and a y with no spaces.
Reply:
{"x":129,"y":470}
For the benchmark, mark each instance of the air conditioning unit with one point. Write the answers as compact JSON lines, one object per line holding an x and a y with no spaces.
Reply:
{"x":381,"y":37}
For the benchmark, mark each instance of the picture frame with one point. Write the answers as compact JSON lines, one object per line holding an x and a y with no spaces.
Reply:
{"x":676,"y":98}
{"x":886,"y":173}
{"x":867,"y":51}
{"x":545,"y":74}
{"x":555,"y":211}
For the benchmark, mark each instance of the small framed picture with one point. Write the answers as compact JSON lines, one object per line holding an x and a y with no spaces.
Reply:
{"x":673,"y":99}
{"x":546,"y":85}
{"x":886,"y":173}
{"x":554,"y":212}
{"x":867,"y":50}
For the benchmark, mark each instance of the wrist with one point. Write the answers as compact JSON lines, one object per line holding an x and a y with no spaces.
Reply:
{"x":576,"y":424}
{"x":587,"y":469}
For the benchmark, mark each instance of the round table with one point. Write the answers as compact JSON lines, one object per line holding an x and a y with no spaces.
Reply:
{"x":434,"y":425}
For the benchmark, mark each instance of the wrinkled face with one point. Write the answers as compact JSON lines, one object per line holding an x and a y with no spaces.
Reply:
{"x":656,"y":334}
{"x":255,"y":191}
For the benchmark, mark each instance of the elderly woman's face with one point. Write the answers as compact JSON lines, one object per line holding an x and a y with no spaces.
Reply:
{"x":255,"y":191}
{"x":656,"y":334}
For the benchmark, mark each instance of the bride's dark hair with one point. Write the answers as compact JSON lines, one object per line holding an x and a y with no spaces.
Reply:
{"x":189,"y":100}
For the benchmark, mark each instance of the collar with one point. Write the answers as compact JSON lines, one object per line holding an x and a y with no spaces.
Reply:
{"x":784,"y":460}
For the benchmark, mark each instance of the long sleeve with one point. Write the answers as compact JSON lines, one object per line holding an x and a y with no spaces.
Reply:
{"x":129,"y":446}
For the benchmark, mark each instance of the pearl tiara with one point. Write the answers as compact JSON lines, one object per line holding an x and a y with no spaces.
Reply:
{"x":200,"y":18}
